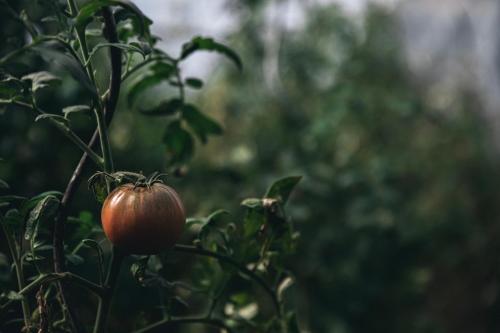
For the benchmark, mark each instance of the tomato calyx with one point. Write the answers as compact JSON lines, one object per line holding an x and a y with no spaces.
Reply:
{"x":97,"y":182}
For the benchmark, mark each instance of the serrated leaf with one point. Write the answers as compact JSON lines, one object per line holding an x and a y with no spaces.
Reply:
{"x":194,"y":82}
{"x":40,"y":80}
{"x":282,"y":188}
{"x":166,"y":108}
{"x":179,"y":143}
{"x":75,"y":108}
{"x":156,"y":73}
{"x":209,"y":44}
{"x":201,"y":124}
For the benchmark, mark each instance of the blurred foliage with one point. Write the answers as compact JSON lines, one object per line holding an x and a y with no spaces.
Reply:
{"x":398,"y":206}
{"x":398,"y":209}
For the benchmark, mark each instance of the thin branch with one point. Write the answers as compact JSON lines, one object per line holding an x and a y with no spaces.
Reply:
{"x":156,"y":327}
{"x":68,"y":276}
{"x":19,"y":273}
{"x":66,"y":131}
{"x":104,"y":304}
{"x":142,"y":64}
{"x":243,"y":270}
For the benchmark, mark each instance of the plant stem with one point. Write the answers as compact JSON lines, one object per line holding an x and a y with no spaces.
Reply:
{"x":110,"y":284}
{"x":19,"y":273}
{"x":91,"y":286}
{"x":104,"y":140}
{"x":76,"y":178}
{"x":67,"y":132}
{"x":101,"y":124}
{"x":243,"y":270}
{"x":156,"y":327}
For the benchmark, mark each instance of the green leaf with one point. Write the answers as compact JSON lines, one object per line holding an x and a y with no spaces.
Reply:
{"x":88,"y":11}
{"x":166,"y":108}
{"x":75,"y":259}
{"x":98,"y":185}
{"x":180,"y":145}
{"x":57,"y":53}
{"x":208,"y":44}
{"x":75,"y":108}
{"x":252,"y":222}
{"x":201,"y":124}
{"x":194,"y":82}
{"x":252,"y":203}
{"x":155,"y":73}
{"x":56,"y":117}
{"x":40,"y":80}
{"x":44,"y":209}
{"x":282,"y":188}
{"x":10,"y":87}
{"x":14,"y":296}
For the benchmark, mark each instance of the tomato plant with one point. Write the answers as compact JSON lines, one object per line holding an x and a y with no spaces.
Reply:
{"x":238,"y":274}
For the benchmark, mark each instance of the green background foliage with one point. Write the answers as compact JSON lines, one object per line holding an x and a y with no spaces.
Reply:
{"x":397,"y":209}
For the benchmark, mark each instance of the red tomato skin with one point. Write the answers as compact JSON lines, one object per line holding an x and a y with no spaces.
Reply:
{"x":143,"y":220}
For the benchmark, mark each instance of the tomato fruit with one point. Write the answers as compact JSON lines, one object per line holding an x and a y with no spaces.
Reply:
{"x":143,"y":219}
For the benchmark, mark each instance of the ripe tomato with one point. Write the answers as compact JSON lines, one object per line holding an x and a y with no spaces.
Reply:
{"x":141,"y":219}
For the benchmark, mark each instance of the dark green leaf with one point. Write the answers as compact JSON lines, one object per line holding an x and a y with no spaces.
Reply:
{"x":201,"y":124}
{"x":44,"y":209}
{"x":194,"y":82}
{"x":166,"y":108}
{"x":282,"y":188}
{"x":144,"y":47}
{"x":88,"y":11}
{"x":75,"y":259}
{"x":14,"y":296}
{"x":10,"y":87}
{"x":180,"y":145}
{"x":41,"y":80}
{"x":98,"y":185}
{"x":253,"y":221}
{"x":208,"y":44}
{"x":156,"y":73}
{"x":57,"y":53}
{"x":75,"y":108}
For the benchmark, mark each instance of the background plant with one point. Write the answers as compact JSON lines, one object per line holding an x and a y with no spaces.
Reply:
{"x":64,"y":273}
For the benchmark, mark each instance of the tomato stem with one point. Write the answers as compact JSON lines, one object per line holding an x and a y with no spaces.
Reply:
{"x":11,"y":243}
{"x":104,"y":305}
